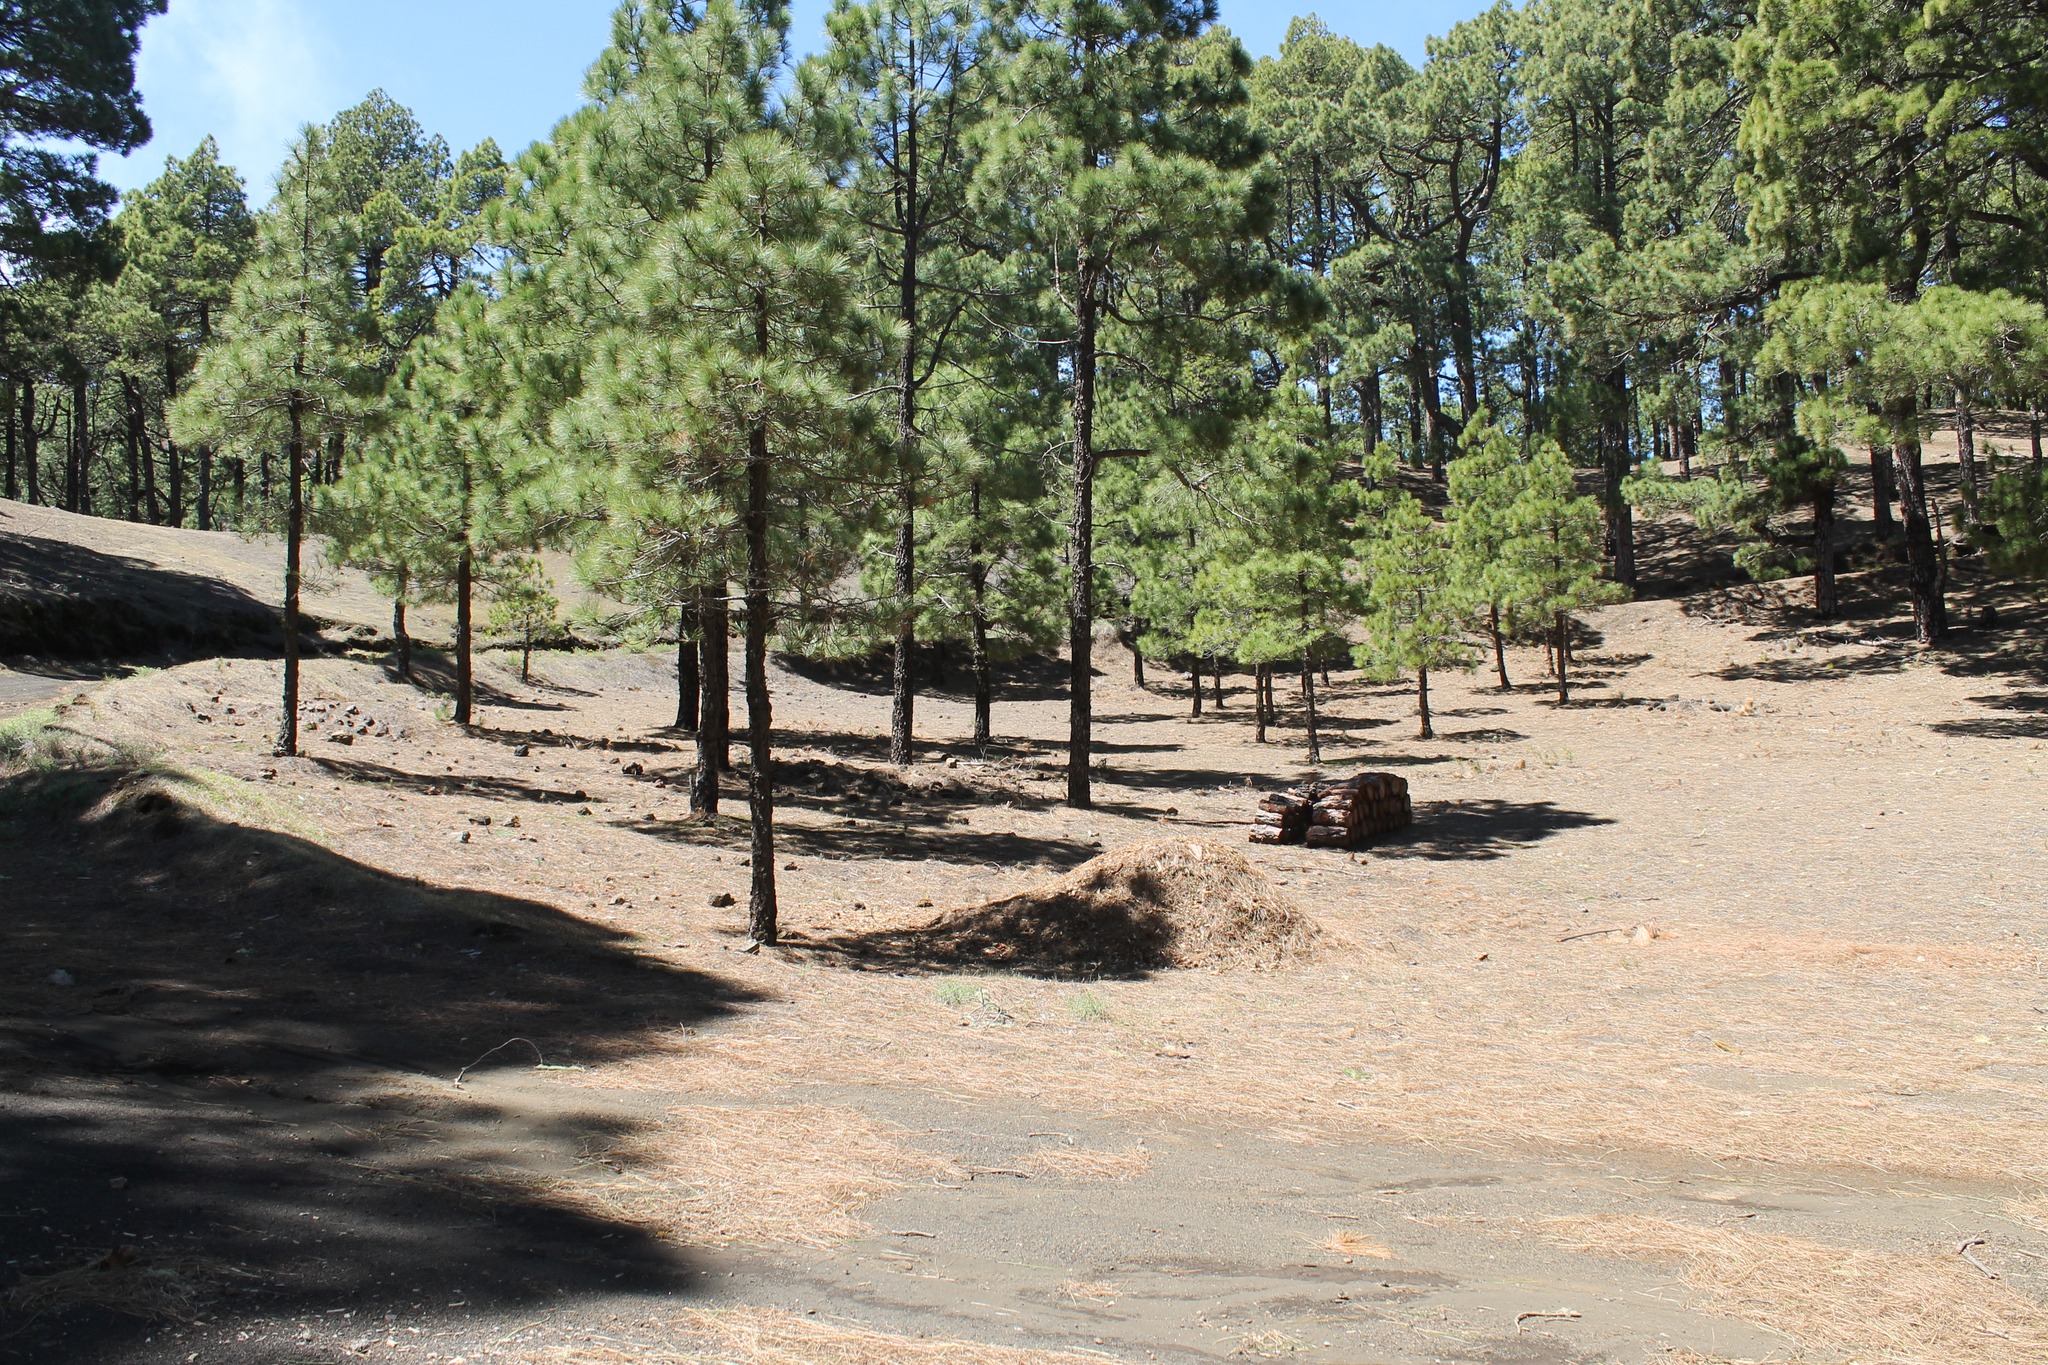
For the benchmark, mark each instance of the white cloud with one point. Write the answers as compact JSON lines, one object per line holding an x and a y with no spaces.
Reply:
{"x":250,"y":72}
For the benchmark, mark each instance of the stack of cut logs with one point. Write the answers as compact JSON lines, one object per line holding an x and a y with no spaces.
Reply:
{"x":1334,"y":814}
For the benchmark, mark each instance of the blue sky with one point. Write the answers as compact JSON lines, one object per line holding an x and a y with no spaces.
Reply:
{"x":251,"y":72}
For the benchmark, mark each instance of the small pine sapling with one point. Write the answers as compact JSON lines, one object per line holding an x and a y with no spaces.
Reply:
{"x":524,"y":606}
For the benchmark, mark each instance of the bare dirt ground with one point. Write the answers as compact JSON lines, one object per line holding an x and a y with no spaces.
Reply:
{"x":1704,"y":1019}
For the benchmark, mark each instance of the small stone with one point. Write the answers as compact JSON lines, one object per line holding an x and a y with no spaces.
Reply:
{"x":480,"y":820}
{"x":722,"y":899}
{"x":462,"y":838}
{"x":60,"y":977}
{"x":513,"y":823}
{"x":522,"y":750}
{"x":789,"y":867}
{"x":341,"y":737}
{"x":119,"y":1182}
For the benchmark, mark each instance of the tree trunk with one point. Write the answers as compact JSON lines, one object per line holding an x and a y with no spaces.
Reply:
{"x":1216,"y":676}
{"x":1137,"y":666}
{"x":70,"y":455}
{"x":977,"y":614}
{"x":688,"y":684}
{"x":1081,"y":551}
{"x":1500,"y":650}
{"x":761,"y":910}
{"x":1966,"y":450}
{"x":465,"y":676}
{"x":1195,"y":683}
{"x":1923,"y":563}
{"x":1308,"y":698}
{"x":1826,"y":598}
{"x":903,"y":683}
{"x":526,"y":659}
{"x":2034,"y":430}
{"x":30,"y":440}
{"x":1422,"y":702}
{"x":12,"y":488}
{"x":131,"y":411}
{"x":1369,"y":404}
{"x":1882,"y":491}
{"x":1564,"y":686}
{"x":1614,"y":465}
{"x":714,"y":717}
{"x":1259,"y":704}
{"x":401,"y":639}
{"x":1688,"y":444}
{"x":294,"y":544}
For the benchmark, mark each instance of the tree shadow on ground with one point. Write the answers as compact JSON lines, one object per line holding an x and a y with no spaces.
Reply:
{"x":1475,"y":830}
{"x":2030,"y":723}
{"x":1035,"y":677}
{"x":229,"y":1051}
{"x":64,"y":601}
{"x":447,"y":784}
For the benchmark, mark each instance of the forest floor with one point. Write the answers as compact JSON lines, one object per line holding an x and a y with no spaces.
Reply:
{"x":1704,"y":1019}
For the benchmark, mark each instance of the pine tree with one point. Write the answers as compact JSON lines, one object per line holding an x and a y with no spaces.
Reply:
{"x":1551,"y":553}
{"x":67,"y":75}
{"x":282,"y":367}
{"x":1129,"y":160}
{"x":524,"y":606}
{"x":1416,"y":608}
{"x":448,"y":483}
{"x":185,"y":238}
{"x":899,"y":95}
{"x":1278,"y":586}
{"x":752,"y":328}
{"x":1484,"y":482}
{"x":674,"y":89}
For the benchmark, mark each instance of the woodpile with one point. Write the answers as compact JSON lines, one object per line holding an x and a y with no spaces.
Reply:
{"x":1334,"y":814}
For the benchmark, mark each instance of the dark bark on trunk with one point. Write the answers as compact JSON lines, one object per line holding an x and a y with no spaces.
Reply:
{"x":526,"y":660}
{"x":762,"y":919}
{"x":1081,"y":551}
{"x":12,"y":488}
{"x":30,"y":440}
{"x":1564,"y":685}
{"x":294,"y":545}
{"x":1195,"y":683}
{"x":1422,"y":702}
{"x":1882,"y":490}
{"x":688,"y":684}
{"x":2034,"y":431}
{"x":977,"y":614}
{"x":1826,"y":597}
{"x":1966,"y":450}
{"x":1216,"y":676}
{"x":465,"y":676}
{"x":131,"y":411}
{"x":1308,"y":699}
{"x":1688,"y":444}
{"x":1923,"y":562}
{"x":714,"y":718}
{"x":1614,"y":463}
{"x":1500,"y":649}
{"x":1369,"y":410}
{"x":1259,"y":704}
{"x":401,"y":638}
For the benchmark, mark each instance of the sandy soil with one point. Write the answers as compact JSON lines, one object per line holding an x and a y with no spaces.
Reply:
{"x":1702,"y":1019}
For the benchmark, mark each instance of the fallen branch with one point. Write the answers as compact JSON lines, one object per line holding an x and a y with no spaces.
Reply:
{"x":1593,"y":933}
{"x":538,"y":1059}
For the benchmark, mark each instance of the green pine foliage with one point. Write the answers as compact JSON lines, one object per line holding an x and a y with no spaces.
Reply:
{"x":1416,"y":619}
